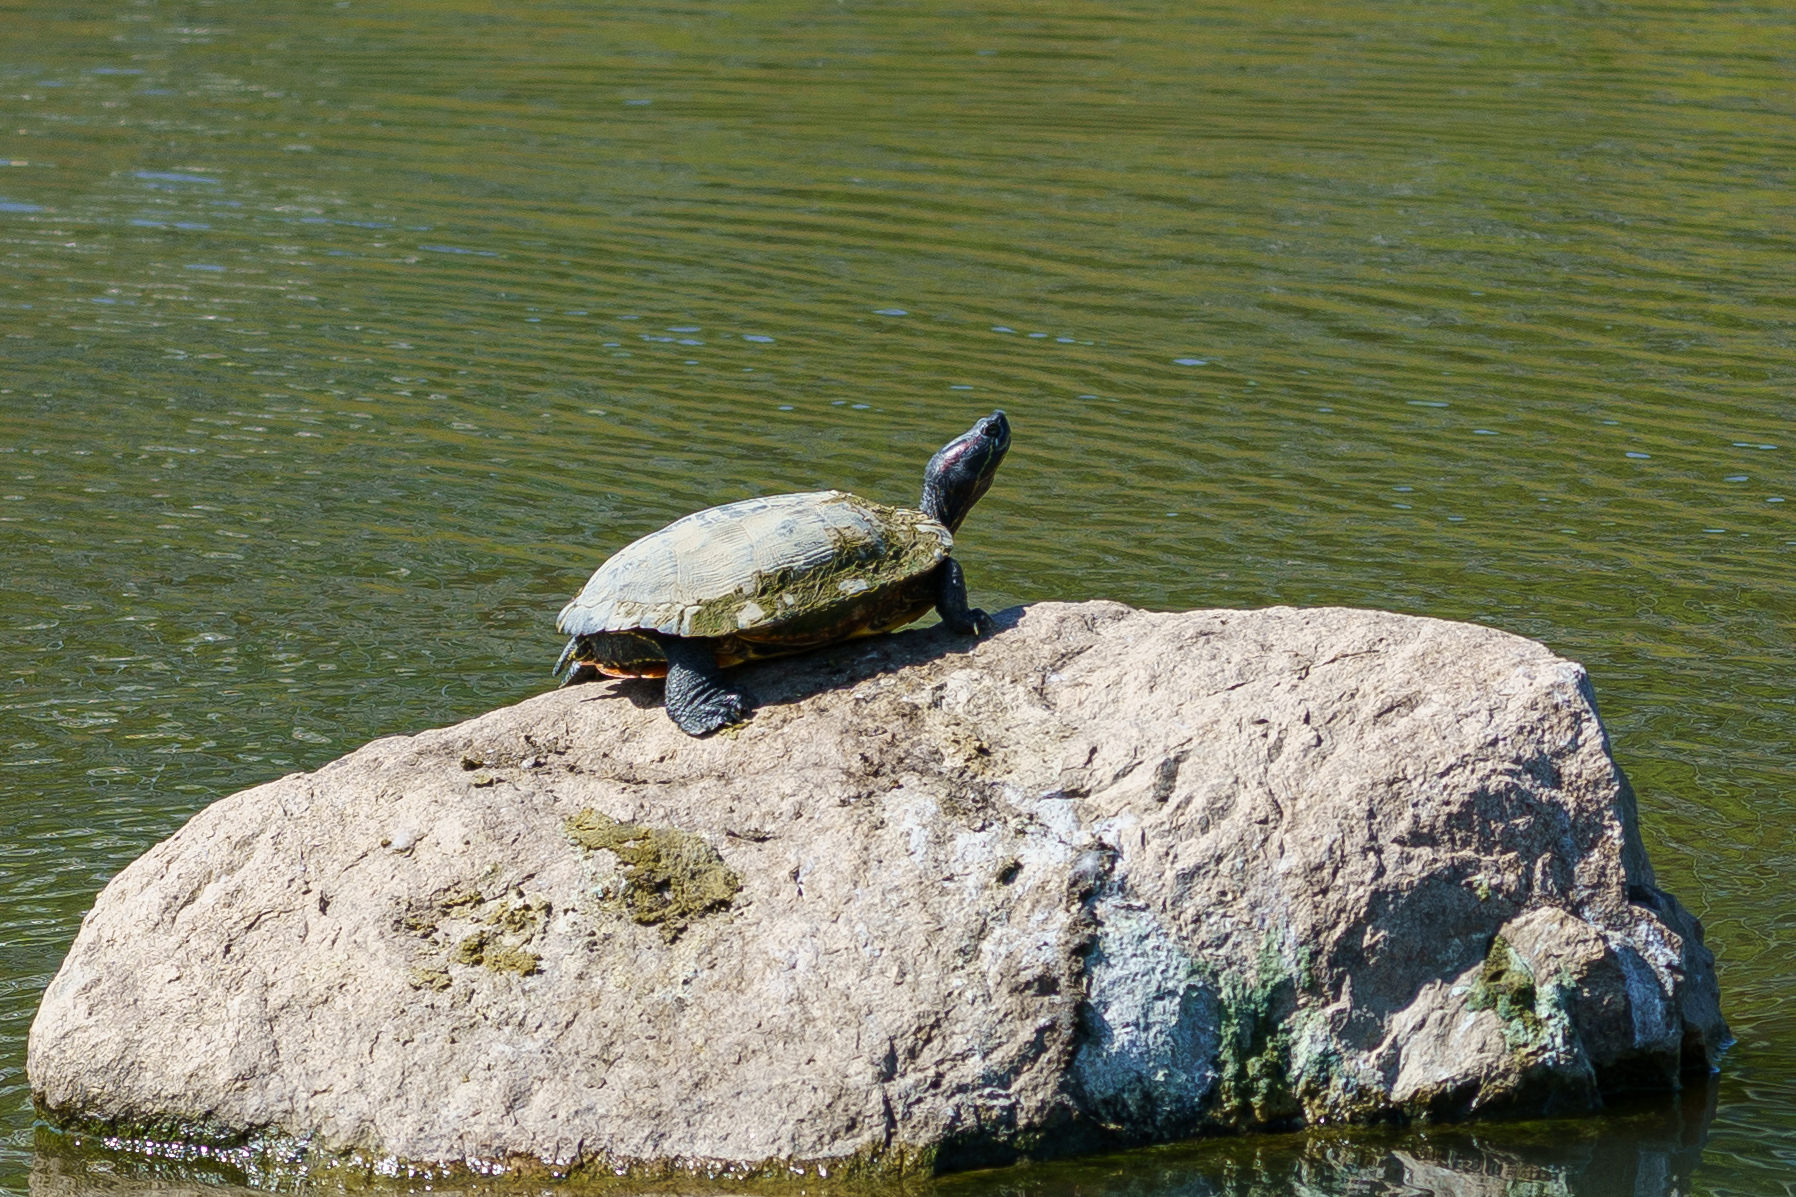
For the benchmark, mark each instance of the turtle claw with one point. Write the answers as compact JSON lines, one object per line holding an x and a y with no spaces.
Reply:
{"x":721,"y":709}
{"x":973,"y":622}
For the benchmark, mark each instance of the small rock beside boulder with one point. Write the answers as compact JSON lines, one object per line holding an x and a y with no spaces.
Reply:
{"x":1106,"y":877}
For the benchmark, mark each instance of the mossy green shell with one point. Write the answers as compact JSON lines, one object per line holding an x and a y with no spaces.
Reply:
{"x":783,"y":570}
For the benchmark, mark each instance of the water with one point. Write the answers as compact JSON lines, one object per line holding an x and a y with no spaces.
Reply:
{"x":342,"y":340}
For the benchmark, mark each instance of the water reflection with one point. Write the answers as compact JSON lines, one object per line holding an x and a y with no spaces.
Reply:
{"x":1653,"y":1150}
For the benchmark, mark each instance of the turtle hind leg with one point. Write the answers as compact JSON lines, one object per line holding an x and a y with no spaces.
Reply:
{"x":566,"y":657}
{"x":584,"y":672}
{"x":951,"y":602}
{"x":697,"y":700}
{"x":580,"y":671}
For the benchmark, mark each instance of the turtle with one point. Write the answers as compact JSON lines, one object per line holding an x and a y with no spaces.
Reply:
{"x":775,"y":575}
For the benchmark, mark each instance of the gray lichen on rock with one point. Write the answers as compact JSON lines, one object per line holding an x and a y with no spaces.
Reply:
{"x":670,"y":877}
{"x":1149,"y":1040}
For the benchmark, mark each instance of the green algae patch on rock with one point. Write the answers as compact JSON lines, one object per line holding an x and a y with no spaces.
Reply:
{"x":1255,"y":1081}
{"x":670,"y":877}
{"x":1506,"y":985}
{"x":467,"y":928}
{"x":484,"y":948}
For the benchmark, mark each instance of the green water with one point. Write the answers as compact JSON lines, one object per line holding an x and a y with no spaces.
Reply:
{"x":342,"y":340}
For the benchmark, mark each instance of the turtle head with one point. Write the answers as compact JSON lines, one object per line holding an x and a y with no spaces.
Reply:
{"x":961,"y":471}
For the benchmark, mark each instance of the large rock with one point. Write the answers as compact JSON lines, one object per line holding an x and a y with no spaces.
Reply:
{"x":1106,"y":877}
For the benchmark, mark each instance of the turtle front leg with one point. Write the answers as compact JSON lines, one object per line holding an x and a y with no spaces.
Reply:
{"x":697,"y":700}
{"x":951,"y":602}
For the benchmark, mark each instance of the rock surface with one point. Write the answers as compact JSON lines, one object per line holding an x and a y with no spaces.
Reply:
{"x":1107,"y":877}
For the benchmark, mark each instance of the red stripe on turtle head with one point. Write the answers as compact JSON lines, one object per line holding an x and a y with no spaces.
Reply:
{"x":962,"y":470}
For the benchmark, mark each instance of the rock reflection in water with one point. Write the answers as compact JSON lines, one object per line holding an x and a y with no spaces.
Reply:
{"x":1647,"y":1151}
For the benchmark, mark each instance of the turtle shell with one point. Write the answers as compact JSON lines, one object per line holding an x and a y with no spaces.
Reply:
{"x":769,"y":575}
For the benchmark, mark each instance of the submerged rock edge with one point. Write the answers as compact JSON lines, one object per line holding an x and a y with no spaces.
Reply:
{"x":271,"y":1158}
{"x":1253,"y":1013}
